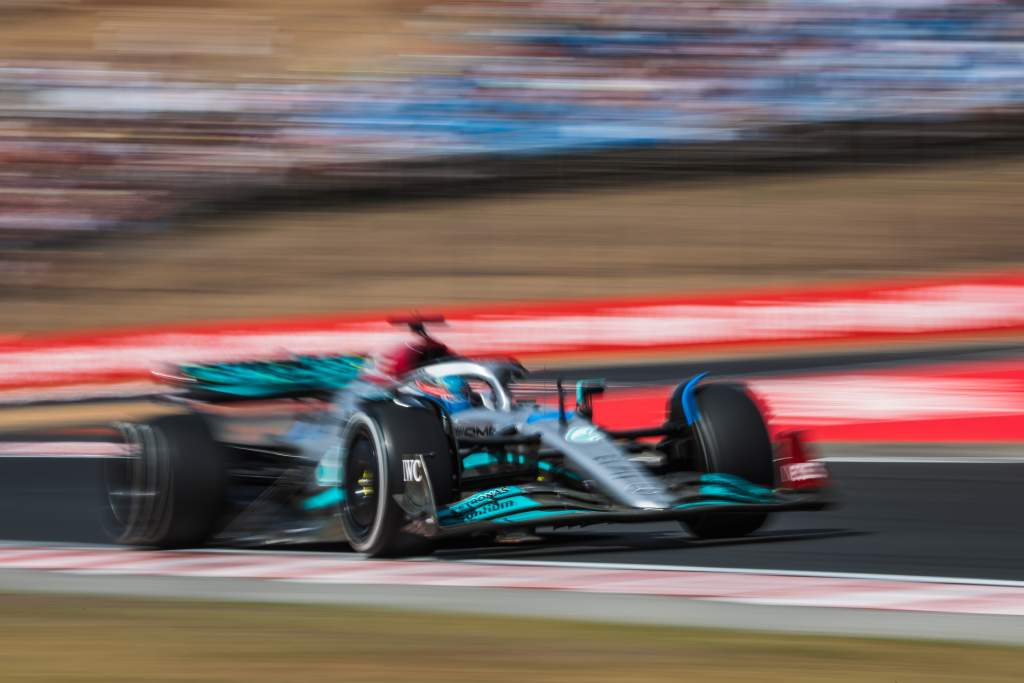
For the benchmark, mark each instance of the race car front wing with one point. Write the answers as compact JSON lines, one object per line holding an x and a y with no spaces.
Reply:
{"x":531,"y":505}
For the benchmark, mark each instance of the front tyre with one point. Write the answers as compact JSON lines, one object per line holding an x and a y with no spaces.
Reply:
{"x":371,"y":519}
{"x":732,"y":438}
{"x":373,"y":475}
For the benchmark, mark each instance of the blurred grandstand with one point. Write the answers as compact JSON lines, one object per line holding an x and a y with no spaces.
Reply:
{"x":93,"y":147}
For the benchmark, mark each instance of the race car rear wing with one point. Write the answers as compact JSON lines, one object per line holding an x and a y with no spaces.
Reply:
{"x":296,"y":377}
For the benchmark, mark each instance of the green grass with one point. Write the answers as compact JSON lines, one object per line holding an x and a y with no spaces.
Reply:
{"x":48,"y":638}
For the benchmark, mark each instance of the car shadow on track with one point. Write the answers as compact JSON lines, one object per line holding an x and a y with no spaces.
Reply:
{"x":551,"y":545}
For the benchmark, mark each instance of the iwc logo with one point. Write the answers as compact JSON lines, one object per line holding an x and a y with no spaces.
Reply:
{"x":586,"y":434}
{"x":412,"y":470}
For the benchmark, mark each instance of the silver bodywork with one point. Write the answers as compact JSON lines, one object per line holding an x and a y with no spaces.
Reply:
{"x":587,"y":450}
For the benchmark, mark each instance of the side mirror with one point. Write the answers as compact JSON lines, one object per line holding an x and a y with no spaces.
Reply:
{"x":586,"y":390}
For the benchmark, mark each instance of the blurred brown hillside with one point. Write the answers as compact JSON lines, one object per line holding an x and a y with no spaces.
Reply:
{"x":231,"y":38}
{"x":669,"y":236}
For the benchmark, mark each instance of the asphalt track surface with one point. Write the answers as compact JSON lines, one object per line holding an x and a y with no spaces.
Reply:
{"x":948,"y":519}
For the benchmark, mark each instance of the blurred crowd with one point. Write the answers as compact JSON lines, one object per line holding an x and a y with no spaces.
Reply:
{"x":88,"y":148}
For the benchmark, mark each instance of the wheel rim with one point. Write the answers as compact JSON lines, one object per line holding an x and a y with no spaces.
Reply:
{"x":127,"y":479}
{"x":362,"y":485}
{"x":121,"y":494}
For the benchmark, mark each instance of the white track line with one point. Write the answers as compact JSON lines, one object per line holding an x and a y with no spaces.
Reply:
{"x":617,"y":566}
{"x":15,"y":547}
{"x":56,"y":456}
{"x":33,"y":546}
{"x":63,"y":449}
{"x":925,"y":460}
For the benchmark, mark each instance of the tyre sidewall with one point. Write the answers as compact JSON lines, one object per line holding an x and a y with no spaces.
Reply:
{"x":397,"y":431}
{"x":360,"y":425}
{"x":732,"y":438}
{"x":181,"y":467}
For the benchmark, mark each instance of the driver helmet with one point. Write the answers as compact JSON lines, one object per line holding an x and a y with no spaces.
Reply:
{"x":451,"y":392}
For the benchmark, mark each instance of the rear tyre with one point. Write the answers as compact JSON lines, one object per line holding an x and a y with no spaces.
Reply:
{"x":171,"y":489}
{"x":373,"y":475}
{"x":732,"y":439}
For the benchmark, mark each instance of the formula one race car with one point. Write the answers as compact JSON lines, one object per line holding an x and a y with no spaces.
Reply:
{"x":396,"y":452}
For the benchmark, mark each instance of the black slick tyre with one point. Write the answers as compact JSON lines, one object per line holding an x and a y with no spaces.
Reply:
{"x":373,"y":475}
{"x":170,"y":491}
{"x":732,"y":439}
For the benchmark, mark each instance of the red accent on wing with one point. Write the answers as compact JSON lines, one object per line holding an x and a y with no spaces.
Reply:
{"x":798,"y":469}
